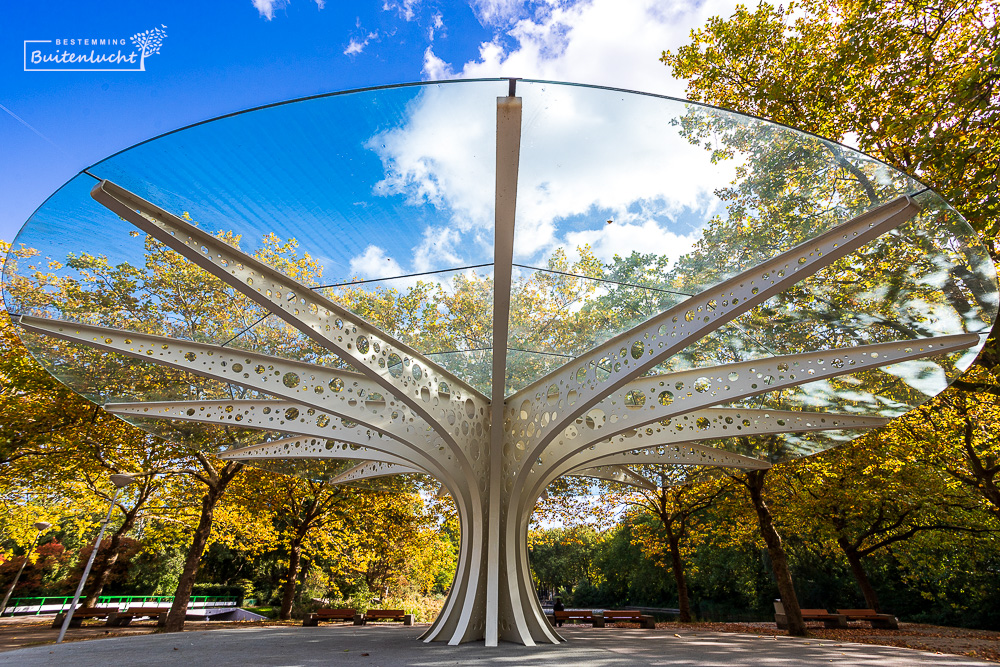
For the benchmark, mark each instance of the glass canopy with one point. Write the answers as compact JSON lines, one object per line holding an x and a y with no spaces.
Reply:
{"x":383,"y":201}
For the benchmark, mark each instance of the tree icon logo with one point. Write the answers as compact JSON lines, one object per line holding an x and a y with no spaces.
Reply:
{"x":149,"y":43}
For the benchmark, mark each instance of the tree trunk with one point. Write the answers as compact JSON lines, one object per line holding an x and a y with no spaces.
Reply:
{"x":857,"y":567}
{"x":779,"y":562}
{"x":678,"y":567}
{"x":288,"y":593}
{"x":984,"y":473}
{"x":104,"y":564}
{"x":182,"y":596}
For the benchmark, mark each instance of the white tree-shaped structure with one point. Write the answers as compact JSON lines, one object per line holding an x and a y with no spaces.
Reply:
{"x":391,"y":409}
{"x":148,"y":42}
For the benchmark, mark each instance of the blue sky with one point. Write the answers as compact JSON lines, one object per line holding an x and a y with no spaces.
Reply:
{"x":220,"y":57}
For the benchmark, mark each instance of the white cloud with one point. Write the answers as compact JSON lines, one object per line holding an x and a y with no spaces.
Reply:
{"x":442,"y":155}
{"x":496,"y":12}
{"x":436,"y":69}
{"x":266,"y":8}
{"x":618,"y":239}
{"x":404,"y":8}
{"x":439,"y":247}
{"x":355,"y":47}
{"x":374,"y":263}
{"x":603,"y":42}
{"x":584,"y":156}
{"x":437,"y":25}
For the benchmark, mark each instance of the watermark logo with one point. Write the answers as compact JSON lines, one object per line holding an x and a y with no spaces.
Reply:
{"x":93,"y":54}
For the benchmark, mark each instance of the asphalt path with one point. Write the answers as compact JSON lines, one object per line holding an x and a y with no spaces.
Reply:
{"x":390,"y":646}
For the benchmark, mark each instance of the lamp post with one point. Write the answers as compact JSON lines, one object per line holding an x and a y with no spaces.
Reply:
{"x":120,"y":482}
{"x":39,"y":526}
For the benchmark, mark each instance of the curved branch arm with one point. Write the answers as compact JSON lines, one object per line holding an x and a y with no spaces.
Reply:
{"x":614,"y":473}
{"x":399,"y":369}
{"x":300,"y":447}
{"x":281,"y":416}
{"x":336,"y":392}
{"x":652,"y":399}
{"x":373,"y":469}
{"x":581,"y":384}
{"x":700,"y":425}
{"x":685,"y":453}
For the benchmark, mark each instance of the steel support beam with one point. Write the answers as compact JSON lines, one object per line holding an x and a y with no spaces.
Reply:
{"x":374,"y":469}
{"x":301,"y":447}
{"x":395,"y":367}
{"x":652,"y":399}
{"x":584,"y":382}
{"x":614,"y":473}
{"x":508,"y":155}
{"x":686,"y":454}
{"x":347,"y":395}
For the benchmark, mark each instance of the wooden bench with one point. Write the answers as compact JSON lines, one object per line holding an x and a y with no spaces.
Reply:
{"x":388,"y":615}
{"x":114,"y":618}
{"x":629,"y":616}
{"x":158,"y":614}
{"x":577,"y":615}
{"x":352,"y":615}
{"x":829,"y":620}
{"x":884,"y":621}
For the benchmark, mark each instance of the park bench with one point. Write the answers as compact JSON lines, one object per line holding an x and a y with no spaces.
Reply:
{"x":884,"y":621}
{"x":577,"y":615}
{"x":829,"y":620}
{"x":312,"y":620}
{"x":158,"y":614}
{"x":114,"y":618}
{"x":388,"y":615}
{"x":629,"y":616}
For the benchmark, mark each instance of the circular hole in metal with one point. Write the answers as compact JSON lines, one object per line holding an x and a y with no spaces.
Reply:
{"x":395,"y":365}
{"x":635,"y":399}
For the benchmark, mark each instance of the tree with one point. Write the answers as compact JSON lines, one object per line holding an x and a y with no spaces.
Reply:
{"x":963,"y":423}
{"x":754,"y":482}
{"x":563,"y":557}
{"x":870,"y":495}
{"x":675,"y":504}
{"x":117,"y":448}
{"x":216,"y":479}
{"x":38,"y":415}
{"x":301,"y":508}
{"x":913,"y":80}
{"x":909,"y":79}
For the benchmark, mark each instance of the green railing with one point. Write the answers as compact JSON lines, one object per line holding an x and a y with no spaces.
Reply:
{"x":55,"y":604}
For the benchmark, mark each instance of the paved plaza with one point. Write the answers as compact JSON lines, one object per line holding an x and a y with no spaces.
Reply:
{"x":385,"y":646}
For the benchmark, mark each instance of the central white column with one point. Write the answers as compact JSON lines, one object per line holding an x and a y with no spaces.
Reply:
{"x":508,"y":155}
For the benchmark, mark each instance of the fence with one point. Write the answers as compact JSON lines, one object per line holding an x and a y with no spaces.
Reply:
{"x":52,"y":605}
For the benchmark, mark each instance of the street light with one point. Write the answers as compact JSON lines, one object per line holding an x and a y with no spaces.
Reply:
{"x":40,"y":526}
{"x":120,"y":482}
